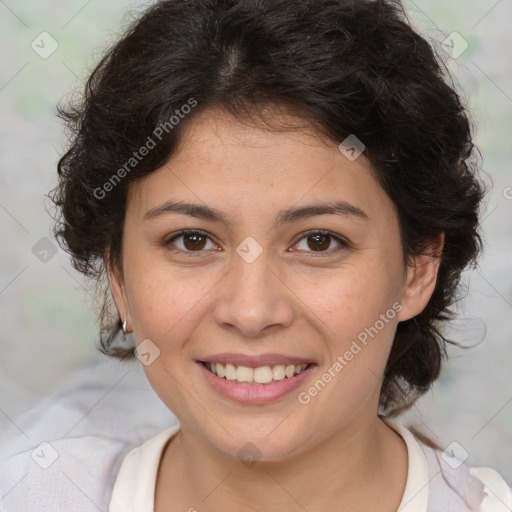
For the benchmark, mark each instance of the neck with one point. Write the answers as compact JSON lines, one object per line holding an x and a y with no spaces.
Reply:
{"x":361,"y":467}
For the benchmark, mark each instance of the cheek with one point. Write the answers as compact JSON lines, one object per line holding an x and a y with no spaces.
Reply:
{"x":349,"y":301}
{"x":358,"y":340}
{"x":165,"y":300}
{"x":356,"y":313}
{"x":167,"y":305}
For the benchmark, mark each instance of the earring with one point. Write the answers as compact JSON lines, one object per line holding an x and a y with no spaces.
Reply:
{"x":124,"y":326}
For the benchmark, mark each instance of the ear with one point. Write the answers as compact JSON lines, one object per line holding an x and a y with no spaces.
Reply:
{"x":118,"y":289}
{"x":421,"y":280}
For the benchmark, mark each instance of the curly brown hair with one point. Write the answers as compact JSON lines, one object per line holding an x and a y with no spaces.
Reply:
{"x":344,"y":67}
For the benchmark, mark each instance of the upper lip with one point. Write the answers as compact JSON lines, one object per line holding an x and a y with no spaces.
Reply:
{"x":255,"y":361}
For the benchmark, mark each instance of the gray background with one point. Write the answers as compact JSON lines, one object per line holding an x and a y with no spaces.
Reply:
{"x":47,"y":325}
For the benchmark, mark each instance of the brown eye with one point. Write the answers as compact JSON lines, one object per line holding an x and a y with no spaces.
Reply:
{"x":194,"y":242}
{"x":319,"y":241}
{"x":190,"y":241}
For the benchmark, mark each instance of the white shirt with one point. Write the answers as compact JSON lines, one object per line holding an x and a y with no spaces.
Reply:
{"x":88,"y":425}
{"x":435,"y":483}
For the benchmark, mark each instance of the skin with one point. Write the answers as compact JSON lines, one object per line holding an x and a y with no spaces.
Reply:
{"x":333,"y":453}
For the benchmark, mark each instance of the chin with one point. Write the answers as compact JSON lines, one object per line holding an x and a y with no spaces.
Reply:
{"x":257,"y":441}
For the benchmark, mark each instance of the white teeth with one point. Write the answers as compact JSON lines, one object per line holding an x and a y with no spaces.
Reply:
{"x":230,"y":372}
{"x":300,"y":368}
{"x":221,"y":371}
{"x":260,"y":375}
{"x":290,"y":370}
{"x":244,"y":374}
{"x":263,"y":375}
{"x":278,"y":372}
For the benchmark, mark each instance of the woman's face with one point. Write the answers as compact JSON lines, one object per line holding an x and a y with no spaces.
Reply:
{"x":256,"y":286}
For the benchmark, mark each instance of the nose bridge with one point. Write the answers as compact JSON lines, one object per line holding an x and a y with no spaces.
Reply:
{"x":252,"y":297}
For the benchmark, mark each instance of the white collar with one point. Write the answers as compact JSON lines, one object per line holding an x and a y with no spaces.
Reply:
{"x":134,"y":488}
{"x":415,"y":497}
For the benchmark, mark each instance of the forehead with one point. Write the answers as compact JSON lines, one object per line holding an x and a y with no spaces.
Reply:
{"x":248,"y":170}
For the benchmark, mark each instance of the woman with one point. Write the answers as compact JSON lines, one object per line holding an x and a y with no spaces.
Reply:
{"x":283,"y":196}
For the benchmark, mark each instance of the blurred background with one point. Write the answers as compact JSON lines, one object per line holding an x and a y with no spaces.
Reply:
{"x":48,"y":328}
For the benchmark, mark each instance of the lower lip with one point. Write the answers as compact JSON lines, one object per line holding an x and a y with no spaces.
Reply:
{"x":255,"y":393}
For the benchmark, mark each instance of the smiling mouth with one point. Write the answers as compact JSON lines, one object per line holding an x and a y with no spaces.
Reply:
{"x":261,"y":375}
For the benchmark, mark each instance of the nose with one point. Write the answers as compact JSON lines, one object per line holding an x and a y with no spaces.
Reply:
{"x":253,"y":300}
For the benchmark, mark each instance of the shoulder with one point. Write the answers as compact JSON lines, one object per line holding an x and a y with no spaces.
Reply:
{"x":448,"y":483}
{"x":134,"y":486}
{"x":498,"y":495}
{"x":71,"y":474}
{"x":478,"y":489}
{"x":65,"y":451}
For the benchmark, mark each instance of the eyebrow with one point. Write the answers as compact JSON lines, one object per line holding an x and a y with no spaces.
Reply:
{"x":289,"y":216}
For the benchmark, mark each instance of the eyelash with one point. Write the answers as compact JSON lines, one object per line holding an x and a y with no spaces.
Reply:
{"x":342,"y":242}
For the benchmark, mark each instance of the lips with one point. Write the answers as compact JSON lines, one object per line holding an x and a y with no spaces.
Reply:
{"x":255,"y":379}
